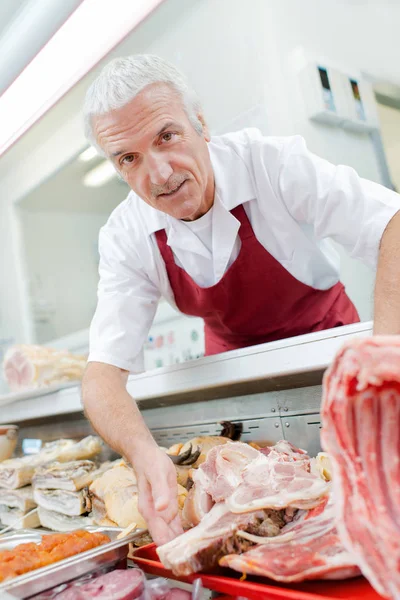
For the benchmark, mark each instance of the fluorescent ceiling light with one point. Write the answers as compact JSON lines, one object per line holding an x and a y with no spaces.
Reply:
{"x":88,"y":154}
{"x":86,"y":37}
{"x":100,"y":175}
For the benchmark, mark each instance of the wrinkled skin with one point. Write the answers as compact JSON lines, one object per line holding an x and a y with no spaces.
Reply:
{"x":158,"y":152}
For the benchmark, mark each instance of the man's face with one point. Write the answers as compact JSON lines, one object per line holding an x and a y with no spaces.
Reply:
{"x":158,"y":152}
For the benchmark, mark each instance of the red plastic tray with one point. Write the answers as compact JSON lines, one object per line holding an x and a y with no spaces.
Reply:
{"x":258,"y":588}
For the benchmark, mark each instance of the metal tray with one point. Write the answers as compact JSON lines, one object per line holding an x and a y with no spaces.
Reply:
{"x":46,"y":578}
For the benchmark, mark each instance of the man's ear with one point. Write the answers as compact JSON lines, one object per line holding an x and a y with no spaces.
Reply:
{"x":206,"y":131}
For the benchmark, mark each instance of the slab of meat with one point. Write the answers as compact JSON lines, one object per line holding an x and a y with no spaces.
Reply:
{"x":307,"y":548}
{"x":248,"y":479}
{"x":51,"y":519}
{"x":17,"y":472}
{"x":361,"y":434}
{"x":277,"y":484}
{"x":29,"y":367}
{"x":21,"y":499}
{"x":68,"y":503}
{"x":201,"y":547}
{"x":222,"y":472}
{"x":117,"y":585}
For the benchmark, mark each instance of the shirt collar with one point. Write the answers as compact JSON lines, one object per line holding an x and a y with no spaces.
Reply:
{"x":233,"y":183}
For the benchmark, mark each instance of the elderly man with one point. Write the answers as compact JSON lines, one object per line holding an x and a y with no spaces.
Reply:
{"x":232,"y":229}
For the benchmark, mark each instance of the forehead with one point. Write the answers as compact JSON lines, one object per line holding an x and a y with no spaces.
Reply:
{"x":139,"y":120}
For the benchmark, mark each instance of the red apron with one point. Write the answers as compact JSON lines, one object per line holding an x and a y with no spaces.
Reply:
{"x":257,"y":300}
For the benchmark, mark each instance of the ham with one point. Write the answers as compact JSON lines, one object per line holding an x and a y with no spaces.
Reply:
{"x":361,"y":434}
{"x":307,"y":548}
{"x":28,"y":367}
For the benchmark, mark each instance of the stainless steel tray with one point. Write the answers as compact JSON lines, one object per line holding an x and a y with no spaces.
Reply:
{"x":40,"y":580}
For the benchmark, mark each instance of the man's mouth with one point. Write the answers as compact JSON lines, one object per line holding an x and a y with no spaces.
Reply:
{"x":174,"y":191}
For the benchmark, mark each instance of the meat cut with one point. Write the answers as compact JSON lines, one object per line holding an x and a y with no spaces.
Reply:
{"x":361,"y":434}
{"x":306,"y":548}
{"x":28,"y":367}
{"x":201,"y":547}
{"x":271,"y":485}
{"x":116,"y":585}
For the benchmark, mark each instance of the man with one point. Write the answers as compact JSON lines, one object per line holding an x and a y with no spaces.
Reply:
{"x":232,"y":229}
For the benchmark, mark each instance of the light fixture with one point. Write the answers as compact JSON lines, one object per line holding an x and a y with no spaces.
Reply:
{"x":88,"y":154}
{"x":92,"y":30}
{"x":100,"y":175}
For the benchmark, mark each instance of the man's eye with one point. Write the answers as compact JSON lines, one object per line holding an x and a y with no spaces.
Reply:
{"x":129,"y":158}
{"x":167,"y":136}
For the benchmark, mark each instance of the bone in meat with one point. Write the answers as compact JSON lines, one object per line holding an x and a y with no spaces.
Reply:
{"x":361,"y":434}
{"x":201,"y":547}
{"x":307,"y":548}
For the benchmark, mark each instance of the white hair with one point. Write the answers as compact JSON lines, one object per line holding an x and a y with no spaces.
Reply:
{"x":123,"y":78}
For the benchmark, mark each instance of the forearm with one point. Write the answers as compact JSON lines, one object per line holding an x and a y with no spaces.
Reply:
{"x":112,"y":411}
{"x":387,"y":286}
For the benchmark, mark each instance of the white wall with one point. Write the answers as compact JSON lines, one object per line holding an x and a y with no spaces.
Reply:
{"x":61,"y":258}
{"x":390,"y":124}
{"x":239,"y":54}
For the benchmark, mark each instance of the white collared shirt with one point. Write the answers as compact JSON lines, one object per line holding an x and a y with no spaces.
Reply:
{"x":295,"y":201}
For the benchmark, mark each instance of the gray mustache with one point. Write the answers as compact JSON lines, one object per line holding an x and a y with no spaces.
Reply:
{"x":173,"y":182}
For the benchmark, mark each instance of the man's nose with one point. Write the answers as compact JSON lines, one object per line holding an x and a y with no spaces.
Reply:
{"x":159,"y":168}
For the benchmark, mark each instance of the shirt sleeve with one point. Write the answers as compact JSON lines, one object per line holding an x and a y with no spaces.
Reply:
{"x":334,"y":200}
{"x":127,"y":303}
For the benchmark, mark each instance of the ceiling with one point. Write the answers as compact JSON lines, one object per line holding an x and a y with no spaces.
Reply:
{"x":9,"y":10}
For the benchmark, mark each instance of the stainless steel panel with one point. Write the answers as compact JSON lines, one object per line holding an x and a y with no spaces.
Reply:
{"x":256,"y":430}
{"x":300,"y":401}
{"x":303,"y":431}
{"x":227,"y":409}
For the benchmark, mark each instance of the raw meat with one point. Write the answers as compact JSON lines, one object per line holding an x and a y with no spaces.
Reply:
{"x":21,"y":499}
{"x":200,"y":548}
{"x":248,"y":479}
{"x":65,"y":502}
{"x":17,"y":472}
{"x":53,"y":548}
{"x":71,"y":476}
{"x":117,"y":585}
{"x":222,"y":471}
{"x":197,"y":504}
{"x":361,"y":434}
{"x":307,"y":548}
{"x":258,"y":492}
{"x":271,"y":483}
{"x":58,"y":522}
{"x":29,"y":367}
{"x":18,"y":519}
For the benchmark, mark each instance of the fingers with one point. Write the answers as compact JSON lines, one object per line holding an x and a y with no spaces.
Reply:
{"x":160,"y":531}
{"x":158,"y":501}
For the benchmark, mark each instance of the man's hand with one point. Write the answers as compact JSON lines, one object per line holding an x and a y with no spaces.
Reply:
{"x":116,"y":417}
{"x":158,"y":496}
